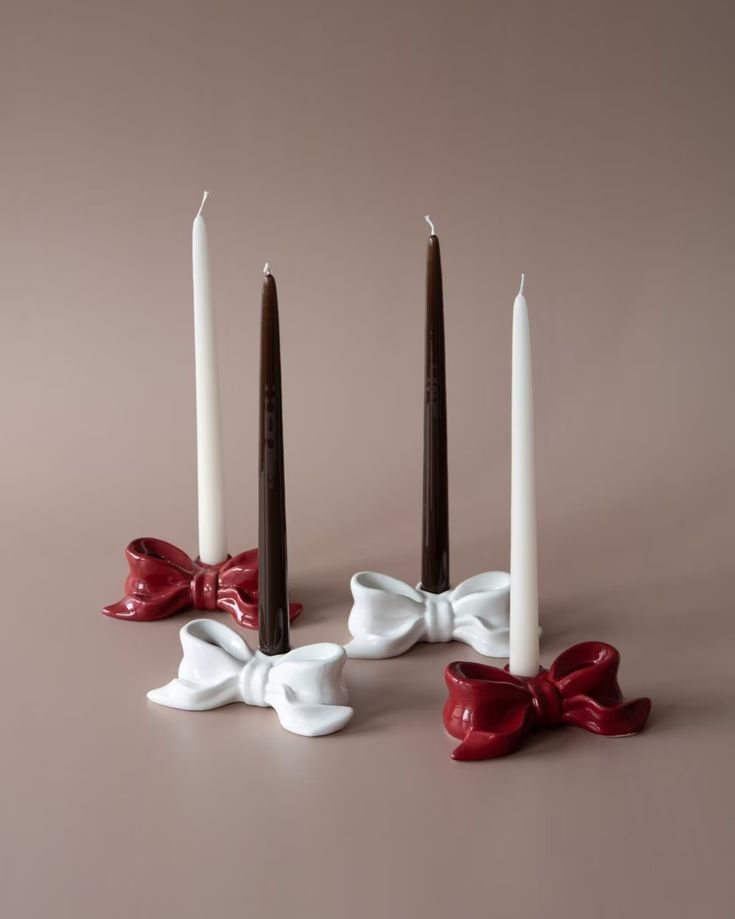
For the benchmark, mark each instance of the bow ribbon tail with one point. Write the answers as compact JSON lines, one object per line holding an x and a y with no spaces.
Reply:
{"x":617,"y":719}
{"x":492,"y":641}
{"x":244,"y":611}
{"x":196,"y":697}
{"x":388,"y":643}
{"x":479,"y":745}
{"x":128,"y":608}
{"x":161,"y":605}
{"x":309,"y":719}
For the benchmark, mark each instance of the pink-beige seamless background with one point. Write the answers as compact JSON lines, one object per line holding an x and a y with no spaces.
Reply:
{"x":588,"y":144}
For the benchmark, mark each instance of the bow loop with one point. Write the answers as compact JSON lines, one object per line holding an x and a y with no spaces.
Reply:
{"x":209,"y":672}
{"x":163,"y":580}
{"x":588,"y":667}
{"x":304,"y":686}
{"x":316,"y":670}
{"x":483,"y":597}
{"x":487,"y":708}
{"x":388,"y":616}
{"x":491,"y":711}
{"x":587,"y":677}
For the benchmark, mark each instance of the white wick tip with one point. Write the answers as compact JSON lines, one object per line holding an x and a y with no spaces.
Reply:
{"x":266,"y":269}
{"x":523,"y":281}
{"x":201,"y":206}
{"x":431,"y":224}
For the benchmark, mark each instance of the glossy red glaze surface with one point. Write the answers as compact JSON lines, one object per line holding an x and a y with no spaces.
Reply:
{"x":491,"y":711}
{"x":163,"y":580}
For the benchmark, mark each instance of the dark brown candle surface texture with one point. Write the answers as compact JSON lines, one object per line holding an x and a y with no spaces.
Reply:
{"x":273,"y":621}
{"x":435,"y":541}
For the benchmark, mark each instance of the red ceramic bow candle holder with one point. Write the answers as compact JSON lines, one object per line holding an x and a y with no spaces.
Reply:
{"x":163,"y":580}
{"x":491,"y":711}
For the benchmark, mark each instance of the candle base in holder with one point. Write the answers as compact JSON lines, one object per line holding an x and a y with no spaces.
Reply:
{"x":389,"y":616}
{"x":305,"y":686}
{"x":492,"y":711}
{"x":163,"y":580}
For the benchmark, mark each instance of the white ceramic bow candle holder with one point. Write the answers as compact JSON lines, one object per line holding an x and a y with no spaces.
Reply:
{"x":304,"y":686}
{"x":389,"y":616}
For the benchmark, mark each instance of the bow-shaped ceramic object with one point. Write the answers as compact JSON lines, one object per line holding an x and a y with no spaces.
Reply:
{"x":389,"y":616}
{"x":163,"y":580}
{"x":491,"y":711}
{"x":305,"y":686}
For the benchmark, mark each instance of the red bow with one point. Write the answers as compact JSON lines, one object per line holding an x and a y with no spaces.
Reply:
{"x":491,"y":711}
{"x":163,"y":580}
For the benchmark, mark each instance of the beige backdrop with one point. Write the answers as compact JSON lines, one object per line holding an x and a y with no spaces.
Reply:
{"x":589,"y":144}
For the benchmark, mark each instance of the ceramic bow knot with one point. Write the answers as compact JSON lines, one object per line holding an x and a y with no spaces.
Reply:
{"x":163,"y":580}
{"x":492,"y":711}
{"x":388,"y":616}
{"x":305,"y":686}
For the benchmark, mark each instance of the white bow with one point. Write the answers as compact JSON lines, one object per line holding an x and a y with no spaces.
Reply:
{"x":305,"y":686}
{"x":389,"y":616}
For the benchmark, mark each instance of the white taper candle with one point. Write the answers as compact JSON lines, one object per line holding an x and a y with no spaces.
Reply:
{"x":210,"y":474}
{"x":524,"y":643}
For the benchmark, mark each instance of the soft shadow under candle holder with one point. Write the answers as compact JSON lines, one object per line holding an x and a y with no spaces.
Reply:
{"x":163,"y":580}
{"x":493,"y":711}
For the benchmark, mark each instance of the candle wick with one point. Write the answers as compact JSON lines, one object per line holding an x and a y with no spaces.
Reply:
{"x":428,"y":219}
{"x":266,"y":269}
{"x":523,"y":281}
{"x":201,"y":206}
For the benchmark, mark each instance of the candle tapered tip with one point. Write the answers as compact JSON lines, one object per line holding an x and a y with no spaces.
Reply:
{"x":523,"y":281}
{"x":201,"y":206}
{"x":428,"y":219}
{"x":266,"y":269}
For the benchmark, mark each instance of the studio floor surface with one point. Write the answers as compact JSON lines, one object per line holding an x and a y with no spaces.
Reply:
{"x":116,"y":807}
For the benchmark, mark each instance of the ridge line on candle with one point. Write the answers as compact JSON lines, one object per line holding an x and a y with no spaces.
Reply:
{"x":201,"y":206}
{"x":428,"y":219}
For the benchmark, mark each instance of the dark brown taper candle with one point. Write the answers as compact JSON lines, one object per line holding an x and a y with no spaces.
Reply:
{"x":273,"y":568}
{"x":435,"y":541}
